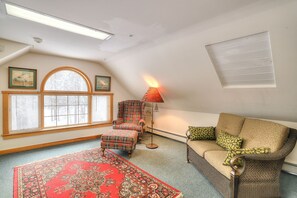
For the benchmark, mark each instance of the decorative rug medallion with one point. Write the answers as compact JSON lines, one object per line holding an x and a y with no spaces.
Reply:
{"x":88,"y":174}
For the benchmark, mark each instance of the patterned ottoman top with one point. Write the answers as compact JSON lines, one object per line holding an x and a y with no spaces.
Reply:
{"x":124,"y":136}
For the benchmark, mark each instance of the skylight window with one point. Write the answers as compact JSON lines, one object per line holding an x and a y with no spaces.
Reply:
{"x":244,"y":62}
{"x":31,"y":15}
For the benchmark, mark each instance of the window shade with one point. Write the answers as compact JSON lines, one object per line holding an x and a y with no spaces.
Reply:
{"x":244,"y":62}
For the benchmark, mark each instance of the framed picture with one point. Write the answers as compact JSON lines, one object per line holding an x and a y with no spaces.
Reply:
{"x":102,"y":83}
{"x":22,"y":78}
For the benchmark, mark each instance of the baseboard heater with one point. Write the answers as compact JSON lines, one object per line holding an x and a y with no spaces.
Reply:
{"x":167,"y":132}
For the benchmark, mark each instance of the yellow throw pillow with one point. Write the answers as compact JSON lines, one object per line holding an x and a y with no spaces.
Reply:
{"x":228,"y":141}
{"x":232,"y":153}
{"x":202,"y":133}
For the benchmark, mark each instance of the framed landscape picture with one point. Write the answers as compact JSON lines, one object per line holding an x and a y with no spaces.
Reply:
{"x":102,"y":83}
{"x":22,"y":78}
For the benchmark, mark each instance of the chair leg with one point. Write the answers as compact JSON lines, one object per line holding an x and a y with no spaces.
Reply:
{"x":130,"y":153}
{"x":103,"y":149}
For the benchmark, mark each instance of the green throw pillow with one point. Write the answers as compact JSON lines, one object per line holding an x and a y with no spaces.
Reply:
{"x":232,"y":153}
{"x":202,"y":133}
{"x":228,"y":141}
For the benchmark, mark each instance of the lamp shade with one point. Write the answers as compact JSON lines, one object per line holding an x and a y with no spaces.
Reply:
{"x":152,"y":95}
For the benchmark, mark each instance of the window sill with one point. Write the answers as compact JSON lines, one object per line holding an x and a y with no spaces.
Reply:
{"x":54,"y":130}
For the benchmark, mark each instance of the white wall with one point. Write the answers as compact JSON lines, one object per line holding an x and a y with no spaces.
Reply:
{"x":177,"y":122}
{"x":188,"y":80}
{"x":44,"y":64}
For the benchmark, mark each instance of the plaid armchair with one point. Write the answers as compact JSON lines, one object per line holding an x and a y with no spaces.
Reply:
{"x":130,"y":116}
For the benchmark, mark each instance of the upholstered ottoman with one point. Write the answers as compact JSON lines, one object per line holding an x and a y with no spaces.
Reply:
{"x":119,"y":139}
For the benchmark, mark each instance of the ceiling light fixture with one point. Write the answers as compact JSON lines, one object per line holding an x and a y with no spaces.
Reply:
{"x":31,"y":15}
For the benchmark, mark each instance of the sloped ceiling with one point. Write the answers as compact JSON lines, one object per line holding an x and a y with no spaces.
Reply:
{"x":10,"y":50}
{"x":164,"y":41}
{"x":133,"y":22}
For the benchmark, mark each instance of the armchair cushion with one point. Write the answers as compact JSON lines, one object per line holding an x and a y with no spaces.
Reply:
{"x":202,"y":133}
{"x":128,"y":126}
{"x":228,"y":141}
{"x":232,"y":153}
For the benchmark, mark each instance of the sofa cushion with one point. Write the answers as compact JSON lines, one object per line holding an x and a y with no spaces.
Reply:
{"x":201,"y":146}
{"x":261,"y":133}
{"x":232,"y":153}
{"x":228,"y":141}
{"x":230,"y":123}
{"x":202,"y":133}
{"x":216,"y":159}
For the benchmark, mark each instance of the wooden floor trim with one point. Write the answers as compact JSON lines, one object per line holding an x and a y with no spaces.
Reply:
{"x":37,"y":146}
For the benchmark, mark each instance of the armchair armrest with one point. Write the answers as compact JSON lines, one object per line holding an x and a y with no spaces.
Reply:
{"x":141,"y":122}
{"x":118,"y":121}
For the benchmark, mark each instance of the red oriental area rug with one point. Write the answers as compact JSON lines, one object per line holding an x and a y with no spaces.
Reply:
{"x":88,"y":174}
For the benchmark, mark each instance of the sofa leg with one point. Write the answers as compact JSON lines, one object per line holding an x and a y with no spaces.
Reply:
{"x":188,"y":161}
{"x":234,"y":184}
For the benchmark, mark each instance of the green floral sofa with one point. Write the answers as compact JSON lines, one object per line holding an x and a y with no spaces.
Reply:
{"x":250,"y":170}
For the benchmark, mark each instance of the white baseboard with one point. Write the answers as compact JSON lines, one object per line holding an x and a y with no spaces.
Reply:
{"x":290,"y":168}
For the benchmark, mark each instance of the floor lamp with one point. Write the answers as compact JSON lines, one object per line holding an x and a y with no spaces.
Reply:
{"x":153,"y":96}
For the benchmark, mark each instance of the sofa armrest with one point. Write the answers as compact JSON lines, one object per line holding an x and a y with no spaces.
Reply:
{"x":187,"y":135}
{"x":254,"y":158}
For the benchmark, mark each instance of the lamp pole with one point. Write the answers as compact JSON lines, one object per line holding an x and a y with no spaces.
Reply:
{"x":152,"y":145}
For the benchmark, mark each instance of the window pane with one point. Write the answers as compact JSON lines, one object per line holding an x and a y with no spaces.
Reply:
{"x":83,"y":119}
{"x":100,"y":111}
{"x":62,"y":110}
{"x":83,"y":109}
{"x":83,"y":100}
{"x":24,"y":112}
{"x":61,"y":120}
{"x":49,"y":111}
{"x":66,"y":80}
{"x":73,"y":100}
{"x":72,"y":110}
{"x":50,"y":121}
{"x":49,"y":100}
{"x":62,"y":100}
{"x":72,"y":119}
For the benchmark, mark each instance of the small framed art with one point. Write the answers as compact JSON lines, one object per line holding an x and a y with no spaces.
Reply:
{"x":22,"y":78}
{"x":102,"y":83}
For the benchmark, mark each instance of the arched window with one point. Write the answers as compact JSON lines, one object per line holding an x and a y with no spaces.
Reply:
{"x":66,"y":98}
{"x":66,"y":80}
{"x":65,"y":101}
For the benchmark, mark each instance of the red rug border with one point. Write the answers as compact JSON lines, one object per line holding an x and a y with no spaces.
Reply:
{"x":15,"y":176}
{"x":144,"y":171}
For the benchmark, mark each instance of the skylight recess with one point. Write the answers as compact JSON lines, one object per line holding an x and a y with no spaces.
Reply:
{"x":244,"y":62}
{"x":35,"y":16}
